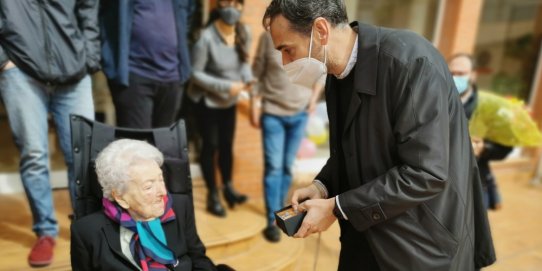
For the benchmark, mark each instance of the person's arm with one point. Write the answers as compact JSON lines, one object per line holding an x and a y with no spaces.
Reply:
{"x":79,"y":254}
{"x":195,"y":249}
{"x":87,"y":17}
{"x":421,"y":125}
{"x":260,"y":59}
{"x":317,"y":89}
{"x":191,"y":9}
{"x":258,"y":69}
{"x":493,"y":151}
{"x":255,"y":110}
{"x":246,"y":70}
{"x":3,"y":58}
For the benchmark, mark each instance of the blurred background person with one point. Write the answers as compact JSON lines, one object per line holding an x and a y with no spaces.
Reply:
{"x":146,"y":59}
{"x":462,"y":66}
{"x":281,"y":109}
{"x":152,"y":229}
{"x":220,"y":74}
{"x":48,"y":62}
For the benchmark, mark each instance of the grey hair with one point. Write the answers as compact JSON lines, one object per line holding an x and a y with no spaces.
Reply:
{"x":114,"y":162}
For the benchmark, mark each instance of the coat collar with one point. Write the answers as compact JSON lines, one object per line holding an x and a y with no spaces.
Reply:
{"x":112,"y":234}
{"x":366,"y":67}
{"x":365,"y":71}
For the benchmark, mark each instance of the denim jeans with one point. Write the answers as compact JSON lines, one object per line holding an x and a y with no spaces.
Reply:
{"x":281,"y":139}
{"x":28,"y":102}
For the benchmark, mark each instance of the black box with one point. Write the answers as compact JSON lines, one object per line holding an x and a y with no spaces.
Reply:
{"x":289,"y":220}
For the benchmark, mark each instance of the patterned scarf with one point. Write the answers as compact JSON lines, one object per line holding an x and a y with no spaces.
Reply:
{"x":148,"y":244}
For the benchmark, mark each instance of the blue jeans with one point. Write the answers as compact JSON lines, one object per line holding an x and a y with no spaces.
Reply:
{"x":28,"y":102}
{"x":281,"y":139}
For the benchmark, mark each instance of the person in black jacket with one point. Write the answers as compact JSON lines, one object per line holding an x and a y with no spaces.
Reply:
{"x":401,"y":178}
{"x":462,"y":67}
{"x":47,"y":50}
{"x":141,"y":226}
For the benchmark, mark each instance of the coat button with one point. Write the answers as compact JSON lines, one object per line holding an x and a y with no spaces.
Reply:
{"x":376,"y":216}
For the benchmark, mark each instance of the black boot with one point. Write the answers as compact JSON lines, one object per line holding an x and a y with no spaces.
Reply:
{"x":213,"y":204}
{"x":233,"y":197}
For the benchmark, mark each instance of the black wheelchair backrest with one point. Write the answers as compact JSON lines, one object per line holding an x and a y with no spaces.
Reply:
{"x":90,"y":137}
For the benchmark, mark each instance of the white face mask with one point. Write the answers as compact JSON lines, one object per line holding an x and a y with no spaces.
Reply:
{"x":306,"y":71}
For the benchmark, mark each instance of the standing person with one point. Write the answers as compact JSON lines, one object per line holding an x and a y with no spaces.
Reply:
{"x":401,"y":178}
{"x":280,"y":108}
{"x":146,"y":59}
{"x":221,"y":72}
{"x":462,"y":67}
{"x":52,"y":47}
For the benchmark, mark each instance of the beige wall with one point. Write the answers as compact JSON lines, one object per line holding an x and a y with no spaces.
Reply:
{"x":459,"y":26}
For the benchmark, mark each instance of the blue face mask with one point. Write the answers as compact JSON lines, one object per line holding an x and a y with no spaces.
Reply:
{"x":461,"y":83}
{"x":230,"y":15}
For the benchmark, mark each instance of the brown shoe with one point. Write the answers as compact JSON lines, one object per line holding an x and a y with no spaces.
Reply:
{"x":42,"y":252}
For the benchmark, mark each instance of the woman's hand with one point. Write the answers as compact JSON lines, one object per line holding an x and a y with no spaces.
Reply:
{"x":236,"y":88}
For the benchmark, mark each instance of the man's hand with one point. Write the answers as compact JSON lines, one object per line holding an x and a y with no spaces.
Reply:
{"x":477,"y":145}
{"x":312,"y":106}
{"x":7,"y":66}
{"x":307,"y":192}
{"x":255,"y":111}
{"x":319,"y":216}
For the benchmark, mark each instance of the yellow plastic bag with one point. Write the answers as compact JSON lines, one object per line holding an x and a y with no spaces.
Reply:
{"x":503,"y":121}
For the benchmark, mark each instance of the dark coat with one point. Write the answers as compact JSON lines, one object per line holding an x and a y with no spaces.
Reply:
{"x":116,"y":26}
{"x":55,"y":42}
{"x":413,"y":181}
{"x":95,"y":241}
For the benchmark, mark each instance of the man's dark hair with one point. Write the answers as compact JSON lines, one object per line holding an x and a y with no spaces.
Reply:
{"x":302,"y":13}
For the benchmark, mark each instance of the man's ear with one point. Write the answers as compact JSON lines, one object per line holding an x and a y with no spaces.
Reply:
{"x":118,"y":198}
{"x":473,"y":76}
{"x":321,"y":28}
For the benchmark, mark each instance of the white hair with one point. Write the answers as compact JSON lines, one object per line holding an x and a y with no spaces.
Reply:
{"x":114,"y":163}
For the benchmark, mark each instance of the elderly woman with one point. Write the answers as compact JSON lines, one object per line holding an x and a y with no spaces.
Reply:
{"x":141,"y":227}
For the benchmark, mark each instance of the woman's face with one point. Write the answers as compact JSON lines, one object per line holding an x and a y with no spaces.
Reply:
{"x":230,"y":11}
{"x":144,"y":195}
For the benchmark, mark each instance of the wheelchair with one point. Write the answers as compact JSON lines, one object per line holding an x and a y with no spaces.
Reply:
{"x":90,"y":137}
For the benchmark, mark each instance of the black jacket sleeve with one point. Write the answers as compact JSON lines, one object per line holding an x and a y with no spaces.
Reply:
{"x":87,"y":18}
{"x":80,"y":259}
{"x":3,"y":58}
{"x":196,"y":249}
{"x":324,"y":176}
{"x":494,"y":151}
{"x":420,"y":125}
